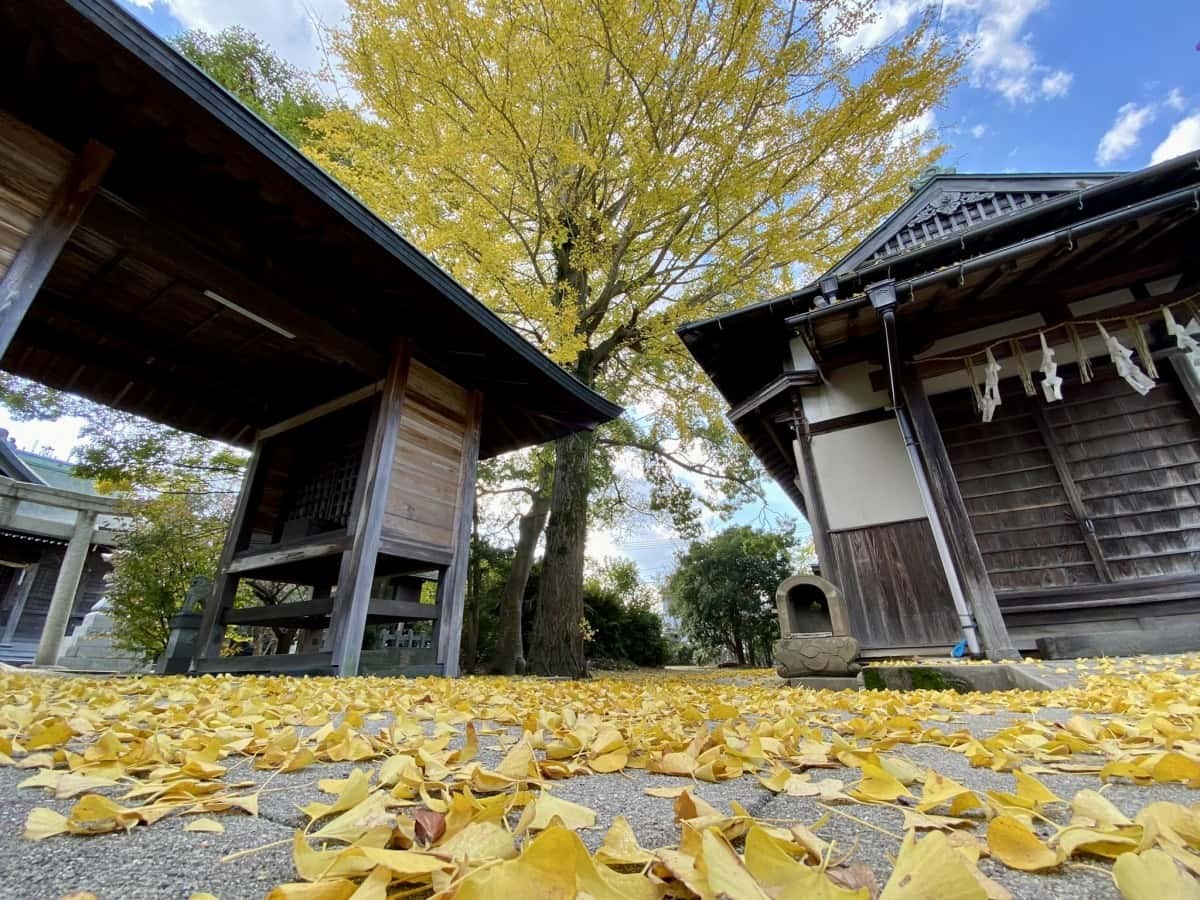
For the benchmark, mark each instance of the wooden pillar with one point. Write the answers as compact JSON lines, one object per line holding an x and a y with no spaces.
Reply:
{"x":41,"y":248}
{"x":943,"y":488}
{"x":1189,"y":379}
{"x":20,"y":596}
{"x":452,"y":584}
{"x":815,"y":511}
{"x":353,"y":598}
{"x":65,"y":587}
{"x":212,"y":628}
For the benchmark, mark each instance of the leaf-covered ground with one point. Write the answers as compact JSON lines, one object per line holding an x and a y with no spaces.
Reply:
{"x":641,"y":786}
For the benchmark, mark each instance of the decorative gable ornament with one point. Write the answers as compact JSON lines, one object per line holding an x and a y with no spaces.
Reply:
{"x":1126,"y":367}
{"x":1051,"y":383}
{"x":947,"y":204}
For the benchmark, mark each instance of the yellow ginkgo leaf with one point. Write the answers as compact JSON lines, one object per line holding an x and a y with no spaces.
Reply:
{"x":546,"y":807}
{"x":878,"y":786}
{"x":1094,"y":807}
{"x":930,"y":868}
{"x":621,"y":847}
{"x":43,"y":823}
{"x":333,"y":889}
{"x":1033,"y":793}
{"x":1075,"y":840}
{"x":724,"y":870}
{"x":1016,"y":846}
{"x":1153,"y":875}
{"x":211,"y":826}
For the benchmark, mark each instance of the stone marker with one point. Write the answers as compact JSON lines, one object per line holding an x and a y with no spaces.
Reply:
{"x":185,"y":625}
{"x":813,"y":625}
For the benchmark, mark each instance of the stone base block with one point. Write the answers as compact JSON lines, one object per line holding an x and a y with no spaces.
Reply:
{"x":828,"y":682}
{"x":964,"y":679}
{"x":1120,"y":643}
{"x":801,"y":655}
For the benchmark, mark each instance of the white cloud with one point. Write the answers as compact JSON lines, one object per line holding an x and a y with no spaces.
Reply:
{"x":1002,"y":54}
{"x":1057,"y":84}
{"x":1183,"y":137}
{"x":287,"y":25}
{"x":978,"y":131}
{"x":1175,"y":100}
{"x":1124,"y":133}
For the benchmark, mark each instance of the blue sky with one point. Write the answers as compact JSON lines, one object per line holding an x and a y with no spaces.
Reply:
{"x":1051,"y":85}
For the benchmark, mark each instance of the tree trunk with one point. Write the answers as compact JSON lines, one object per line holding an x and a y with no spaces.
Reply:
{"x":509,"y":655}
{"x":557,"y":643}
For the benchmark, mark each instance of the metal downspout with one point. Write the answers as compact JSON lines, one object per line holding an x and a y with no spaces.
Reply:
{"x":966,"y":620}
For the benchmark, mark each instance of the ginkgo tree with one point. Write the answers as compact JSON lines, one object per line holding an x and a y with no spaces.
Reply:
{"x":603,"y":171}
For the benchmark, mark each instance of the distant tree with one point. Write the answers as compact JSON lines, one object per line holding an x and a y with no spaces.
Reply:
{"x":619,"y":611}
{"x":174,"y":537}
{"x":723,"y":591}
{"x":246,"y":66}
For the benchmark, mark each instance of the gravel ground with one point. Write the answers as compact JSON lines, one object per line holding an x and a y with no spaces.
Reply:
{"x":165,"y":861}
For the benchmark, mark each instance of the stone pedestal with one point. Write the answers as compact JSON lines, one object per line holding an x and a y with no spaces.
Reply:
{"x":185,"y":625}
{"x":90,"y":647}
{"x":816,"y":654}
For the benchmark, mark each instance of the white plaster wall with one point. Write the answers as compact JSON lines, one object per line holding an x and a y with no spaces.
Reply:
{"x":947,"y":345}
{"x":848,"y":391}
{"x":866,"y":477}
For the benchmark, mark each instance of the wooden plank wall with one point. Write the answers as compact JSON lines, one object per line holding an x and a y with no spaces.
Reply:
{"x":1137,"y":463}
{"x":1019,"y":510}
{"x":1132,"y":462}
{"x":31,"y":169}
{"x":424,"y":489}
{"x":896,"y":594}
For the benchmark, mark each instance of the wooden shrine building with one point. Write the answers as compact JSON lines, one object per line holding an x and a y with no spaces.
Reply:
{"x":989,"y":411}
{"x":164,"y":252}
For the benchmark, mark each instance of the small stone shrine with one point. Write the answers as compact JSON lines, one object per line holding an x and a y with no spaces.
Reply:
{"x":815,"y":636}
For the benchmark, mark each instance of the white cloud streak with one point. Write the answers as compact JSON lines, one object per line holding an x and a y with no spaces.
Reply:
{"x":1002,"y":57}
{"x":1184,"y":137}
{"x":1124,"y":133}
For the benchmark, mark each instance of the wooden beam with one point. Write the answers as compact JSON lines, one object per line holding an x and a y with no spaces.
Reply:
{"x":42,"y":246}
{"x":1074,"y":498}
{"x":294,"y":551}
{"x":173,"y":251}
{"x":418,"y":551}
{"x":353,"y":597}
{"x":451,"y":590}
{"x":323,"y":409}
{"x":279,"y":612}
{"x":964,"y":549}
{"x":276,"y":663}
{"x":212,"y":625}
